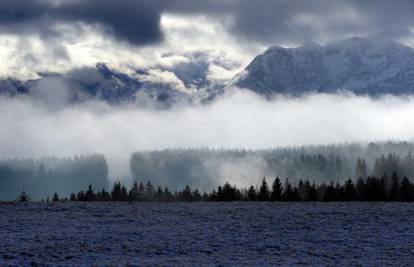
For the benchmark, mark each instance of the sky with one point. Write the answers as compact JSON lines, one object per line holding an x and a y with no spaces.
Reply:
{"x":166,"y":37}
{"x":38,"y":36}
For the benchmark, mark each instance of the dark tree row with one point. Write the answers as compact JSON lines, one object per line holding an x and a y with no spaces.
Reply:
{"x":369,"y":189}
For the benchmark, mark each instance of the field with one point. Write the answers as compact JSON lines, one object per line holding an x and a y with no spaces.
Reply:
{"x":341,"y":234}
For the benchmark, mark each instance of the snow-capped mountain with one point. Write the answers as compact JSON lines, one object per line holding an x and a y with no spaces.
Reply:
{"x":360,"y":65}
{"x":110,"y":85}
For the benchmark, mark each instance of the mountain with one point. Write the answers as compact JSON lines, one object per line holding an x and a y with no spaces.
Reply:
{"x":361,"y":65}
{"x":112,"y":86}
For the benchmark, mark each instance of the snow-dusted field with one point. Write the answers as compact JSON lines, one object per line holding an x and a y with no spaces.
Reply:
{"x":378,"y":234}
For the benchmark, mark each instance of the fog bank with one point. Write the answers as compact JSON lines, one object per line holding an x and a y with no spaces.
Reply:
{"x":239,"y":119}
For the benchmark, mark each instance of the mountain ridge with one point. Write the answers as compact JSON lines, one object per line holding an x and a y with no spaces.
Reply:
{"x":360,"y":65}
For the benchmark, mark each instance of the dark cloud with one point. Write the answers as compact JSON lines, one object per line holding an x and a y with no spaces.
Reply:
{"x":276,"y":20}
{"x":267,"y":21}
{"x":136,"y":22}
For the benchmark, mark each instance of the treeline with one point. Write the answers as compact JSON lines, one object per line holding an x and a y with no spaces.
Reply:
{"x":369,"y":189}
{"x":47,"y":175}
{"x":205,"y":168}
{"x":178,"y":167}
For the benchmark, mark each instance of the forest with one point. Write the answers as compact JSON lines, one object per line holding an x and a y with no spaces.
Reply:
{"x":205,"y":168}
{"x":386,"y":188}
{"x":45,"y":176}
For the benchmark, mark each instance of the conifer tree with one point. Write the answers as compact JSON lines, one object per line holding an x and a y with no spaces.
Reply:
{"x":251,"y":193}
{"x":407,"y":193}
{"x":55,"y":197}
{"x":116,"y":192}
{"x":288,"y":192}
{"x":277,"y":189}
{"x":23,"y":197}
{"x":349,"y":190}
{"x":90,"y":194}
{"x":123,"y":194}
{"x":133,"y":193}
{"x":187,"y":194}
{"x":395,"y":187}
{"x":264,"y":193}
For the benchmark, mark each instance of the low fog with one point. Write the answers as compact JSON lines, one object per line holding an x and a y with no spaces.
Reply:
{"x":238,"y":119}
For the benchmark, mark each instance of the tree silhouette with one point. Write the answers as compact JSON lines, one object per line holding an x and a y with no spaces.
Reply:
{"x":288,"y":192}
{"x":395,"y":187}
{"x":277,"y":189}
{"x":187,"y":194}
{"x":90,"y":194}
{"x":116,"y":191}
{"x":349,"y":190}
{"x":264,"y":194}
{"x":23,"y":197}
{"x":134,"y":193}
{"x":312,"y":191}
{"x":55,"y":197}
{"x":251,"y":193}
{"x":407,"y":193}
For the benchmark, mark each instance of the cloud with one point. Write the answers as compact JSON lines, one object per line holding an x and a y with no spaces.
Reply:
{"x":136,"y":22}
{"x":268,"y":21}
{"x":292,"y":22}
{"x":57,"y":36}
{"x":237,"y":120}
{"x":167,"y":78}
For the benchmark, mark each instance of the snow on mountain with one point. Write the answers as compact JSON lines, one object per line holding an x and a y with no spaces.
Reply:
{"x":360,"y":65}
{"x":112,"y":86}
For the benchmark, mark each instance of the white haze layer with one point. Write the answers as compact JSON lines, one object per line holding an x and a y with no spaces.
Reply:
{"x":239,"y":119}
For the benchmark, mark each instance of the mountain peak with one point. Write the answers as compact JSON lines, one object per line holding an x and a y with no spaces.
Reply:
{"x":360,"y":65}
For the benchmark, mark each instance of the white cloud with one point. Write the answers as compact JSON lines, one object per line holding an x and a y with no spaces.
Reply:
{"x":165,"y":77}
{"x":195,"y":48}
{"x":238,"y":120}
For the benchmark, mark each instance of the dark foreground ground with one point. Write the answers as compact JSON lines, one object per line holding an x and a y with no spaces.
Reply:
{"x":228,"y":234}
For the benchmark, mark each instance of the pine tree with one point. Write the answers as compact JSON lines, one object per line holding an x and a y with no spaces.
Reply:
{"x":349,"y":190}
{"x":330,"y":193}
{"x":187,"y":194}
{"x":23,"y":197}
{"x":168,"y":196}
{"x":116,"y":192}
{"x":288,"y":192}
{"x":264,"y":193}
{"x":277,"y":189}
{"x":196,"y":195}
{"x":312,"y":192}
{"x":160,"y":194}
{"x":361,"y":193}
{"x":395,"y":187}
{"x":55,"y":197}
{"x":134,"y":193}
{"x":123,"y":194}
{"x":251,"y":193}
{"x":104,"y":196}
{"x":81,"y":196}
{"x":90,"y":194}
{"x":302,"y":191}
{"x":407,"y":193}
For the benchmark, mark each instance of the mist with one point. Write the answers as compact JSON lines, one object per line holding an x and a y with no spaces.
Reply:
{"x":34,"y":127}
